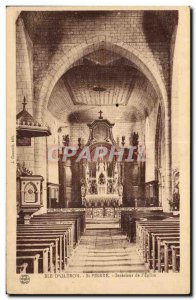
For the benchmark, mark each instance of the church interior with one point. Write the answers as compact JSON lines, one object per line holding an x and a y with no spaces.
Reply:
{"x":98,"y":183}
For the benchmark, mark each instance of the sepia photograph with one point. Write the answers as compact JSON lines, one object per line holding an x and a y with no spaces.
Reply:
{"x":98,"y":150}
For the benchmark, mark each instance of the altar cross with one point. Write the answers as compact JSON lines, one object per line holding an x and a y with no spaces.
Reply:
{"x":100,"y":112}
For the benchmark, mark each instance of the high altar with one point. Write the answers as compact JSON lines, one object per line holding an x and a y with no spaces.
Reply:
{"x":102,"y":185}
{"x":101,"y":188}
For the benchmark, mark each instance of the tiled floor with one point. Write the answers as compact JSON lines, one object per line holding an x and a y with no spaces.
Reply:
{"x":105,"y":249}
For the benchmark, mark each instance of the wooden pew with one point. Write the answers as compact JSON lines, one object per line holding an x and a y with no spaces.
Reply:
{"x":155,"y":237}
{"x":60,"y":220}
{"x":160,"y":253}
{"x":167,"y":248}
{"x":78,"y":217}
{"x":65,"y":229}
{"x":147,"y":237}
{"x":45,"y":228}
{"x":151,"y":236}
{"x":66,"y":215}
{"x":59,"y":236}
{"x":71,"y":226}
{"x":60,"y":232}
{"x":67,"y":225}
{"x":68,"y":245}
{"x":129,"y":218}
{"x":42,"y":251}
{"x":145,"y":234}
{"x":39,"y":240}
{"x":22,"y":269}
{"x":35,"y":246}
{"x":175,"y":258}
{"x":31,"y":260}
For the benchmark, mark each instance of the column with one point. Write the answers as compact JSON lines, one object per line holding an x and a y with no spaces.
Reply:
{"x":68,"y":183}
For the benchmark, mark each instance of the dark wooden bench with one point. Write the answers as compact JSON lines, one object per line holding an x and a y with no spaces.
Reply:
{"x":22,"y":269}
{"x":130,"y":218}
{"x":66,"y":229}
{"x":78,"y":218}
{"x":30,"y":260}
{"x":37,"y":235}
{"x":39,"y":240}
{"x":43,"y":259}
{"x":153,"y":237}
{"x":59,"y":232}
{"x":50,"y":246}
{"x":49,"y":232}
{"x":144,"y":239}
{"x":167,"y":248}
{"x":175,"y":258}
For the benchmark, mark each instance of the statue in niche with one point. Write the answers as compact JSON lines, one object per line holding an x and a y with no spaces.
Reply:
{"x":101,"y":179}
{"x":134,"y":139}
{"x":176,"y":197}
{"x":110,"y":187}
{"x":83,"y":190}
{"x":115,"y":185}
{"x":120,"y":189}
{"x":94,"y":187}
{"x":66,"y":140}
{"x":175,"y":202}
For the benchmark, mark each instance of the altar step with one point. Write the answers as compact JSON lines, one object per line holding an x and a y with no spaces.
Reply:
{"x":102,"y":223}
{"x":105,"y":251}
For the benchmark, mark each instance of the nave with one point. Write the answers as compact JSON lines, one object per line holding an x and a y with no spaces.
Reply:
{"x":68,"y":242}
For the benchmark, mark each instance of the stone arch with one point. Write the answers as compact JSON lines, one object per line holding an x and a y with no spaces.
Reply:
{"x":58,"y":68}
{"x":147,"y":66}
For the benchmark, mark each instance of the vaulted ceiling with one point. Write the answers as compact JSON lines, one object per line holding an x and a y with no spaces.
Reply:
{"x":101,"y":79}
{"x":105,"y":80}
{"x":100,"y":85}
{"x":158,"y":24}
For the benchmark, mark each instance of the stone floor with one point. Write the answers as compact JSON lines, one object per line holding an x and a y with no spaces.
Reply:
{"x":103,"y":248}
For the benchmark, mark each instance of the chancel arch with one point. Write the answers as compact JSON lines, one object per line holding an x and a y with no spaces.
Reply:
{"x":88,"y":61}
{"x":145,"y":66}
{"x":62,"y":65}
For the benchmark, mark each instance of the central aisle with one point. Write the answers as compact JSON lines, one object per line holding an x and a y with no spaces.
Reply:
{"x":103,"y":248}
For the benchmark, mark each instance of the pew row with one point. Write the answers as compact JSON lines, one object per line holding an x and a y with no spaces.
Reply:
{"x":157,"y":236}
{"x":155,"y":241}
{"x":47,"y":243}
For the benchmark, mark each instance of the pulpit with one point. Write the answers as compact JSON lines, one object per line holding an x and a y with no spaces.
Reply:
{"x":30,"y":196}
{"x":29,"y":186}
